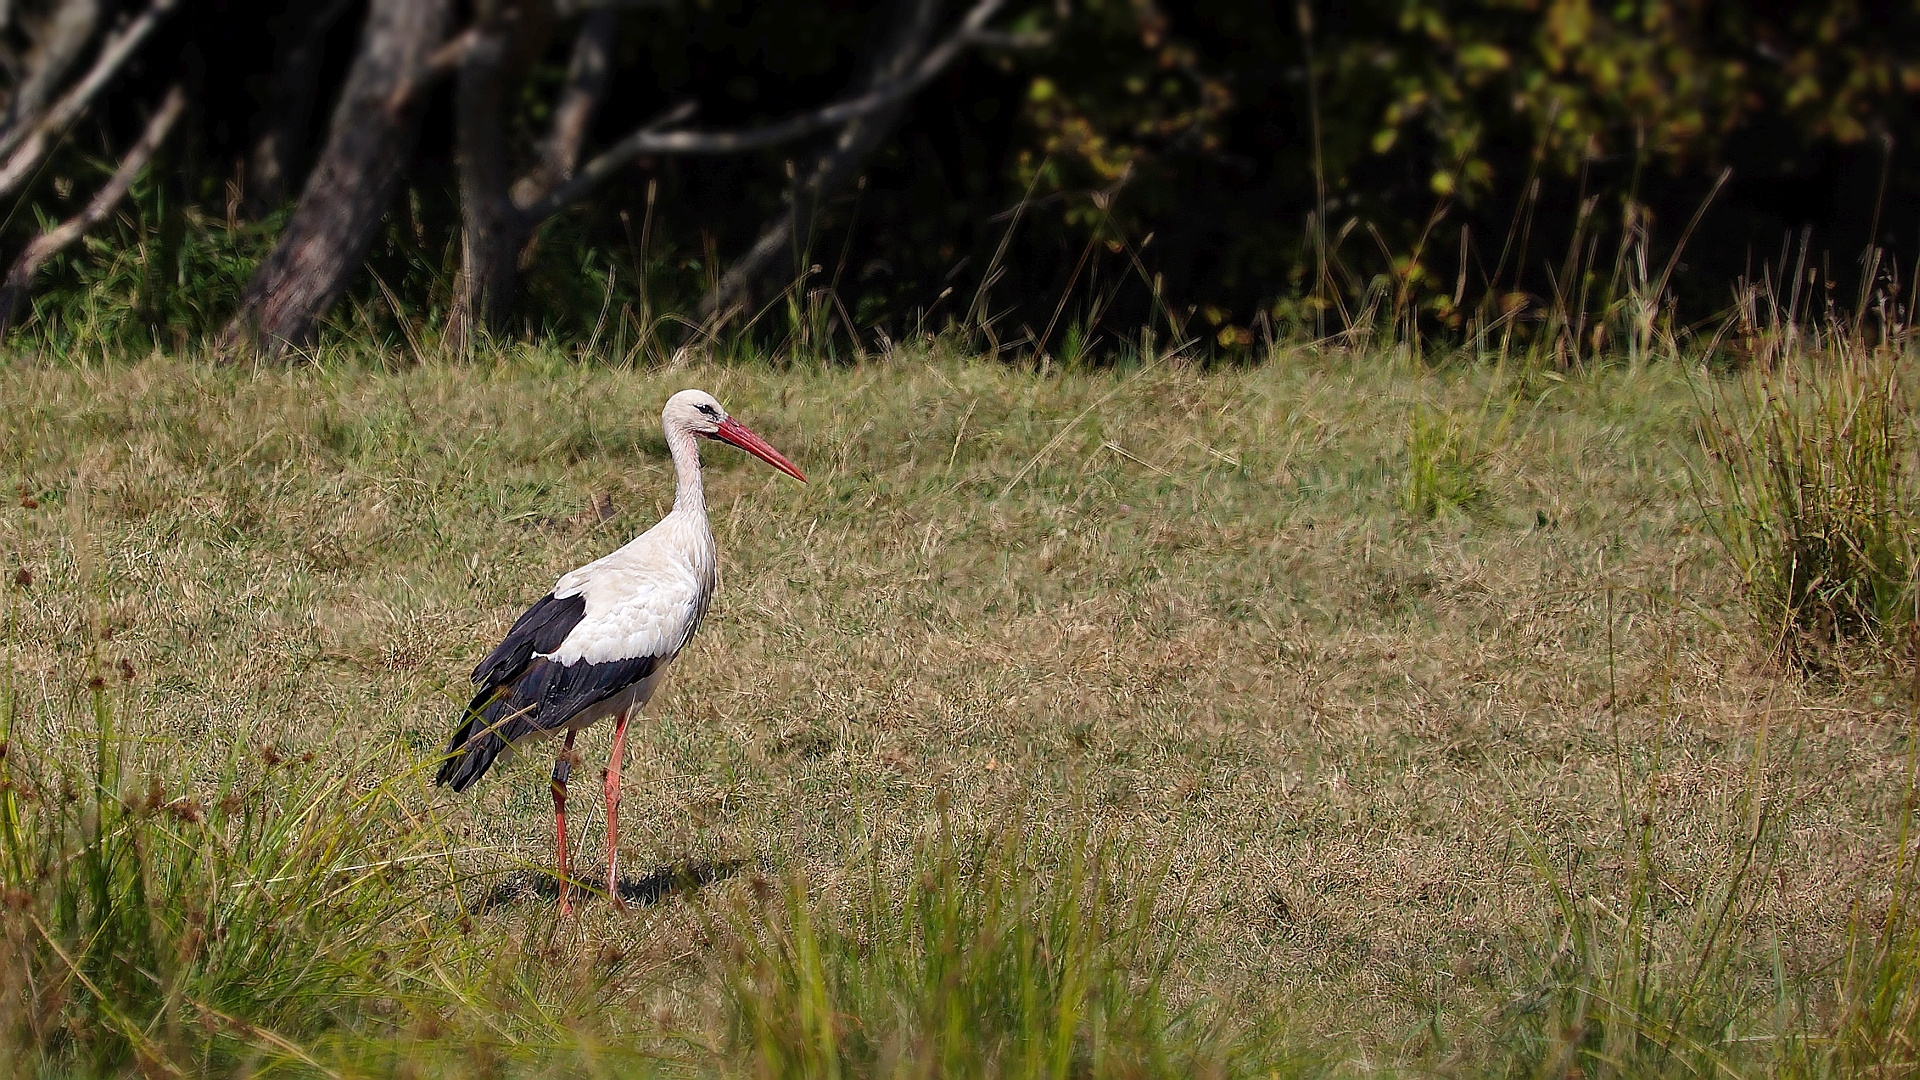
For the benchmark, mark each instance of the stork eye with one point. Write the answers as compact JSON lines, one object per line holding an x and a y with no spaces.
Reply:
{"x":709,"y":410}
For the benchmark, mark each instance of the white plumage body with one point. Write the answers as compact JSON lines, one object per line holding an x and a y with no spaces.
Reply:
{"x":600,"y":642}
{"x":646,"y":599}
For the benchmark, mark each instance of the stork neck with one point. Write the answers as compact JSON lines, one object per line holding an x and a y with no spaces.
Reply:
{"x":688,"y":493}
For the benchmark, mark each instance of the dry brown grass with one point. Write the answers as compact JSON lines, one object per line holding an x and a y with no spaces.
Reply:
{"x":1184,"y":607}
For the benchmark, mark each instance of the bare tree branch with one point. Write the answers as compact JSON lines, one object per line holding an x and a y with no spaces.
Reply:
{"x":570,"y":8}
{"x":19,"y":281}
{"x":57,"y":49}
{"x":27,"y":144}
{"x":448,"y":58}
{"x":587,"y":77}
{"x":1022,"y":39}
{"x":647,"y":141}
{"x":835,"y":165}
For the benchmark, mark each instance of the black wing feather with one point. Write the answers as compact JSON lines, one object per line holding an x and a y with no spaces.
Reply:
{"x":541,"y":628}
{"x":489,"y":723}
{"x":544,"y":697}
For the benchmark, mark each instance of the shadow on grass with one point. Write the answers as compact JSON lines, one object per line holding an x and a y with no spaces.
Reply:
{"x":531,"y":885}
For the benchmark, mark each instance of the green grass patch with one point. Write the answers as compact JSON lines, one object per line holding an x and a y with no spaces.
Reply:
{"x":156,"y":921}
{"x":1443,"y":466}
{"x":1086,"y":723}
{"x":1000,"y":957}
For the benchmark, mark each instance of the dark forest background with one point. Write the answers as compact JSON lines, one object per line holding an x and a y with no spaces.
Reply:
{"x":1071,"y":172}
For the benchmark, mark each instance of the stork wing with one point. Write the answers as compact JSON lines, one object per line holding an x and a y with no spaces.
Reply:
{"x":544,"y":697}
{"x":540,"y":629}
{"x":574,"y":649}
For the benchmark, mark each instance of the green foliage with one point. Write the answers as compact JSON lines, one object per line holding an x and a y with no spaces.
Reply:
{"x":1408,"y":144}
{"x":1264,"y":162}
{"x":159,"y":275}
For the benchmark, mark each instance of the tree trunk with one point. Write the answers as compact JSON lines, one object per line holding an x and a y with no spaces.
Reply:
{"x":490,"y":229}
{"x":496,"y":225}
{"x":587,"y":76}
{"x":494,"y":220}
{"x":837,"y":166}
{"x":300,"y":47}
{"x":374,"y":128}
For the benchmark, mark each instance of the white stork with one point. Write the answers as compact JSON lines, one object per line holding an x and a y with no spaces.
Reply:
{"x":600,"y":642}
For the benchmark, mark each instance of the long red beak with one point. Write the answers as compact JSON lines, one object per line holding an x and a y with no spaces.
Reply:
{"x":732,"y":431}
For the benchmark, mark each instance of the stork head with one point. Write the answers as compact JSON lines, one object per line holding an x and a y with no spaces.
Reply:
{"x":696,"y":412}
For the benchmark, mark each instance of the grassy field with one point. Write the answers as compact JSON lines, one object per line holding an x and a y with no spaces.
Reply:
{"x":1391,"y":719}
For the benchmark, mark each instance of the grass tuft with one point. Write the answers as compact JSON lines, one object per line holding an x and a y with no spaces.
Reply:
{"x":1876,"y":1024}
{"x":158,"y":922}
{"x":1810,"y":492}
{"x":1444,"y":461}
{"x":1000,"y":957}
{"x":1666,"y":973}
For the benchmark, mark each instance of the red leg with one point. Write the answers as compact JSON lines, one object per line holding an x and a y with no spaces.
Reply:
{"x":613,"y":810}
{"x":562,"y":766}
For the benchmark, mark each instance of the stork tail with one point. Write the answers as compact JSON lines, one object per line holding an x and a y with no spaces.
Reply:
{"x":473,"y":748}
